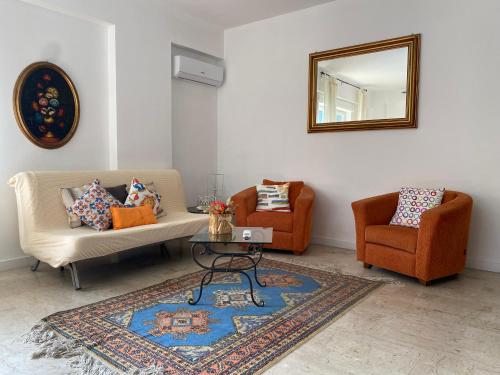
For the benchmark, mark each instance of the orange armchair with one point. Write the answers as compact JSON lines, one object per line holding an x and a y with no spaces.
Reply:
{"x":437,"y":249}
{"x":291,"y":230}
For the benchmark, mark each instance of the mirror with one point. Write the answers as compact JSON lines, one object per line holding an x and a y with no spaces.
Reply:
{"x":369,"y":86}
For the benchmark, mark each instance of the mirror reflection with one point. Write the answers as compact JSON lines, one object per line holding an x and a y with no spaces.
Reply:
{"x":369,"y":86}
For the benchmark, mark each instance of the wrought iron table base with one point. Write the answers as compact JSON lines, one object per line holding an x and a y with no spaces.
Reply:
{"x":253,"y":249}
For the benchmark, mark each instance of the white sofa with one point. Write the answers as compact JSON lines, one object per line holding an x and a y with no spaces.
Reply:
{"x":43,"y":225}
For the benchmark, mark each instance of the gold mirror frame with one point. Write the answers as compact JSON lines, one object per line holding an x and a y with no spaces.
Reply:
{"x":17,"y":104}
{"x":410,"y":121}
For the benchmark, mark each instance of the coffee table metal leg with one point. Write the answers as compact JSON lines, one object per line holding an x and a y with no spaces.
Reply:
{"x":207,"y":278}
{"x":191,"y":301}
{"x":259,"y":304}
{"x":261,"y":284}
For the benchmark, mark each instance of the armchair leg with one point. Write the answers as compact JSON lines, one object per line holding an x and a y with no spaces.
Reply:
{"x":297,"y":253}
{"x":424,"y":282}
{"x":366,"y":265}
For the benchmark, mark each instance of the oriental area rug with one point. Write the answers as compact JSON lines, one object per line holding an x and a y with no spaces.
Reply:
{"x":156,"y":331}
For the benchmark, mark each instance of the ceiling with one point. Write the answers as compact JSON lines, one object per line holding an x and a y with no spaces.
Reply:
{"x":377,"y":70}
{"x":232,"y":13}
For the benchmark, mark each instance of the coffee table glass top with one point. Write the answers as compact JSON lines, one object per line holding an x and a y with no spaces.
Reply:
{"x":259,"y":236}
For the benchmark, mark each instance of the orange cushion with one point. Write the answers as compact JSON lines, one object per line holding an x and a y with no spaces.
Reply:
{"x":293,"y":192}
{"x":398,"y":237}
{"x":126,"y":217}
{"x":280,"y":221}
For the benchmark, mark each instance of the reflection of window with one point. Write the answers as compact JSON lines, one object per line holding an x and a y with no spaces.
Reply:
{"x":343,"y":115}
{"x":321,"y":107}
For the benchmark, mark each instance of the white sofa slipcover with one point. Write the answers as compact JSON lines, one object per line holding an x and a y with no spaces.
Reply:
{"x":44,"y":231}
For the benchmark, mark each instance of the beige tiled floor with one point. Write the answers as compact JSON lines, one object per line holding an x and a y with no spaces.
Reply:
{"x":452,"y":327}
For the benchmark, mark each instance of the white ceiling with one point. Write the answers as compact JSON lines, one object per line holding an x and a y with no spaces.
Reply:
{"x":232,"y":13}
{"x":377,"y":70}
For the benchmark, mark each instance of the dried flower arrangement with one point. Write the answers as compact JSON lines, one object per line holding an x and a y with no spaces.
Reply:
{"x":221,"y":208}
{"x":220,"y":217}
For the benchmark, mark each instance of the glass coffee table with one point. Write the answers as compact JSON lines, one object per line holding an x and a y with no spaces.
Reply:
{"x":252,"y":253}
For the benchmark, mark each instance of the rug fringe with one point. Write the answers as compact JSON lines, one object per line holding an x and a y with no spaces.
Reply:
{"x":51,"y":345}
{"x":87,"y":364}
{"x":152,"y":370}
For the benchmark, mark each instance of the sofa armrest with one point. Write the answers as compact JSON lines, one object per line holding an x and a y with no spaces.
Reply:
{"x":245,"y":203}
{"x":442,"y":239}
{"x":372,"y":211}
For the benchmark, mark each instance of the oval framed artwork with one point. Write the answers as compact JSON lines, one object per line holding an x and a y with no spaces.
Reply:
{"x":46,"y":105}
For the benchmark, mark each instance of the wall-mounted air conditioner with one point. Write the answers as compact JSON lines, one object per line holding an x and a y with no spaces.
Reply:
{"x":198,"y":71}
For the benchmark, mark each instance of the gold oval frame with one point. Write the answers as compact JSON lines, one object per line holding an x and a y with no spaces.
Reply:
{"x":21,"y":80}
{"x":409,"y":121}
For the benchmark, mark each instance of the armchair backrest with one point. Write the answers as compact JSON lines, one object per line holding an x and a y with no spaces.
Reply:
{"x":293,"y":193}
{"x":449,"y":195}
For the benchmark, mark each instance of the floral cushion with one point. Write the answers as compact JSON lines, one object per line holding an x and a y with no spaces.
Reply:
{"x":93,"y":207}
{"x":139,"y":195}
{"x":273,"y":198}
{"x":152,"y":188}
{"x":69,"y":195}
{"x":413,"y":202}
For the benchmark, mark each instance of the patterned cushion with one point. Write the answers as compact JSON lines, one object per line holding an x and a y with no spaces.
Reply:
{"x":293,"y":192}
{"x":139,"y":195}
{"x":93,"y":207}
{"x":69,"y":195}
{"x":273,"y":198}
{"x":151,"y":187}
{"x":413,"y":202}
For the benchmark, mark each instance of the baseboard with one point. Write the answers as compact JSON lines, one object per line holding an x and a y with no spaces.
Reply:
{"x":483,"y":265}
{"x":328,"y":241}
{"x":18,"y":262}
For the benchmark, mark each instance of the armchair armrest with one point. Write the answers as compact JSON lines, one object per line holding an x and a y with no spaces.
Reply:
{"x":442,"y":239}
{"x":302,"y":218}
{"x":372,"y":211}
{"x":245,"y":203}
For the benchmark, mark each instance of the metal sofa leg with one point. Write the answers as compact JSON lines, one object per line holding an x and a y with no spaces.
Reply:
{"x":164,"y":251}
{"x":74,"y":275}
{"x":35,"y":265}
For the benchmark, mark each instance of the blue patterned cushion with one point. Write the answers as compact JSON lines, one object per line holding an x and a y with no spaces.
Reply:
{"x":93,"y":207}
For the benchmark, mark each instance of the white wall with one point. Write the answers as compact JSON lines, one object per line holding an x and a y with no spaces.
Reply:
{"x":47,"y":36}
{"x":194,"y":130}
{"x":385,"y":104}
{"x":144,"y":31}
{"x":125,"y":43}
{"x":263,"y":112}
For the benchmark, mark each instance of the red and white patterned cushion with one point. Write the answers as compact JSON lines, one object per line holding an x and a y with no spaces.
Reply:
{"x":413,"y":202}
{"x":93,"y":207}
{"x":140,"y":195}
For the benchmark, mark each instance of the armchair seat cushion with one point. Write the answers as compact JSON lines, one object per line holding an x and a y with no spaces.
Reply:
{"x":279,"y":221}
{"x":398,"y":237}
